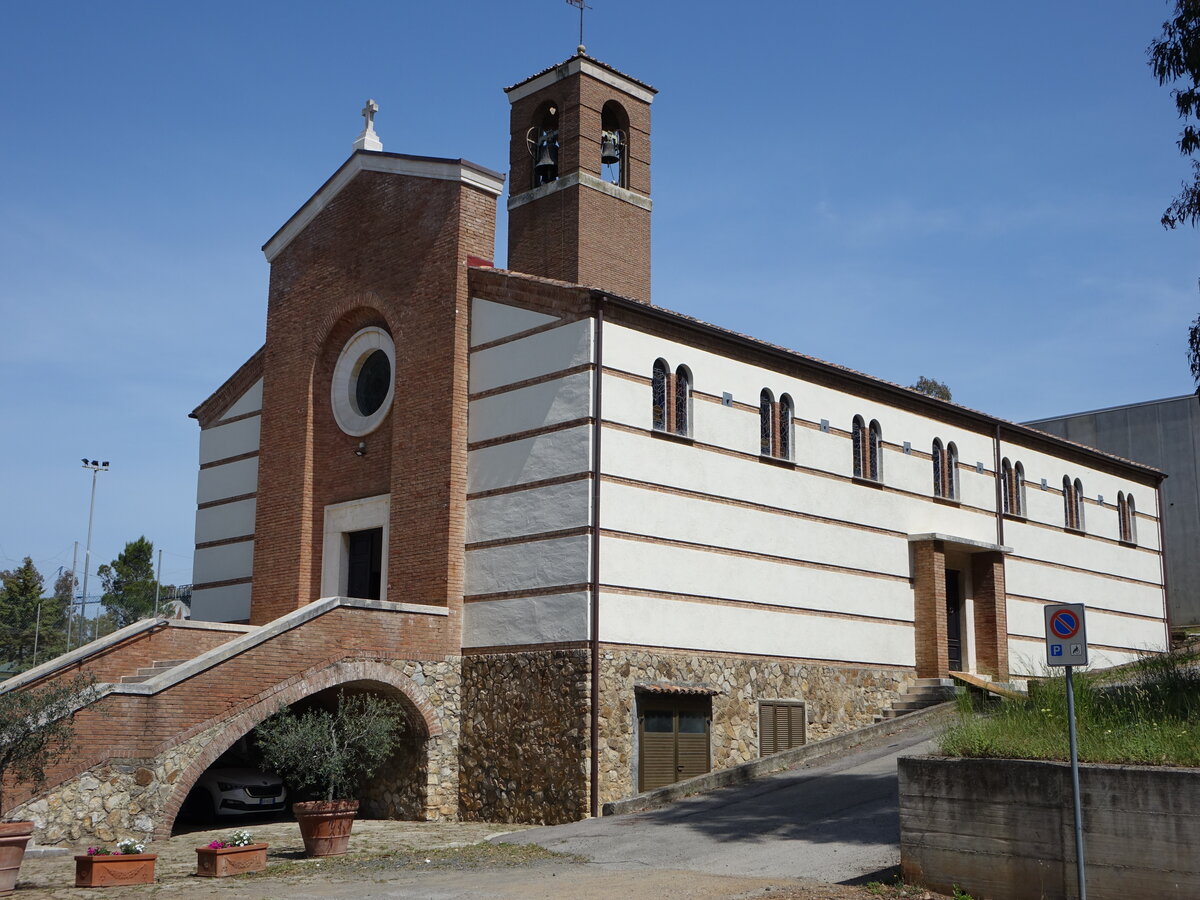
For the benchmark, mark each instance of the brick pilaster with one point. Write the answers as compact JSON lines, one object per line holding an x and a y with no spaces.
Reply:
{"x":929,"y":571}
{"x":991,"y":614}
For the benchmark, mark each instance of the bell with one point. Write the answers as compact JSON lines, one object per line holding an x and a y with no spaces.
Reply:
{"x":546,"y":160}
{"x":610,"y":149}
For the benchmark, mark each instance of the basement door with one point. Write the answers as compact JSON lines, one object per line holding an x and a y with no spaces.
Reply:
{"x":673,"y":739}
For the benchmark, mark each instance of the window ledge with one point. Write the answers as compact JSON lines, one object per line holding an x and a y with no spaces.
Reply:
{"x":1071,"y":530}
{"x":776,"y":461}
{"x":672,"y":436}
{"x":867,"y":482}
{"x":1127,"y":543}
{"x":1016,"y":517}
{"x":947,"y":501}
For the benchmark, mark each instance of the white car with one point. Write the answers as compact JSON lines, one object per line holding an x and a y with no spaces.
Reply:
{"x":240,"y":792}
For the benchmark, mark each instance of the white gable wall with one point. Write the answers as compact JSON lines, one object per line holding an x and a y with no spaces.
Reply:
{"x":225,"y":495}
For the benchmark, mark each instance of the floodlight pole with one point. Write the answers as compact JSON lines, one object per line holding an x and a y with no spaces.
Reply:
{"x":1079,"y":864}
{"x":87,"y":553}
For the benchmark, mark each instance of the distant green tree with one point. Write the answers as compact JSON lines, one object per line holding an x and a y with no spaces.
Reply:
{"x":52,"y":638}
{"x":20,"y":596}
{"x":1175,"y":57}
{"x":129,"y":583}
{"x":932,"y":387}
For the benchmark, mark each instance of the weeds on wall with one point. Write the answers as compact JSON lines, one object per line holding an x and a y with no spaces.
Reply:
{"x":1146,"y":713}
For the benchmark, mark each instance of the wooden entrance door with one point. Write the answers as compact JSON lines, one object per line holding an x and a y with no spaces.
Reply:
{"x":673,"y":739}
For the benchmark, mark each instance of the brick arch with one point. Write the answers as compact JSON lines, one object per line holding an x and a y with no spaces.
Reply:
{"x":361,"y":307}
{"x":412,"y":697}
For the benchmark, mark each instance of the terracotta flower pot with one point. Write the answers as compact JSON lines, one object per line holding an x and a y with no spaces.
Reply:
{"x":116,"y":869}
{"x":13,"y":838}
{"x":212,"y":862}
{"x":325,"y":825}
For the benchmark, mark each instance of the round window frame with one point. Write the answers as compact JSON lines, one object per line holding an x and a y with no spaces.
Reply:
{"x":343,"y":389}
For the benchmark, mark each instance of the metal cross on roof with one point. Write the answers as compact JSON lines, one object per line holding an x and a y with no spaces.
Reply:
{"x":582,"y":6}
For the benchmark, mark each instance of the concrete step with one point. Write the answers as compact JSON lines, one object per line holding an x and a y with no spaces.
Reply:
{"x":907,"y":705}
{"x":134,"y":679}
{"x":934,"y":682}
{"x":167,"y":663}
{"x":151,"y":671}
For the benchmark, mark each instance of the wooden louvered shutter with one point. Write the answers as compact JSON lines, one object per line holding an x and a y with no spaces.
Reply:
{"x":782,"y":725}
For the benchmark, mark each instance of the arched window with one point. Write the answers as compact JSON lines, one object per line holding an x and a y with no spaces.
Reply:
{"x":787,"y":411}
{"x":614,"y":144}
{"x":683,"y":401}
{"x":1126,"y":518}
{"x":952,"y":471}
{"x":1018,"y":497}
{"x":766,"y":423}
{"x":1006,"y":486}
{"x":659,"y":392}
{"x":859,"y":437}
{"x":1073,"y":503}
{"x":939,"y":469}
{"x":876,"y":451}
{"x":542,"y":139}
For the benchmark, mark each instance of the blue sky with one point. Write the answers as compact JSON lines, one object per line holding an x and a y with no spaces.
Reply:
{"x":961,"y":190}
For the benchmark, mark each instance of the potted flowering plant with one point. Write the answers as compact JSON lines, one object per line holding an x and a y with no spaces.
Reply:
{"x":235,"y":855}
{"x":330,"y":753}
{"x":128,"y":864}
{"x":36,"y":730}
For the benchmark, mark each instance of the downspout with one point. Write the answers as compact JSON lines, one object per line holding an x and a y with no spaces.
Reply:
{"x":1162,"y":562}
{"x":597,"y":389}
{"x":999,"y":489}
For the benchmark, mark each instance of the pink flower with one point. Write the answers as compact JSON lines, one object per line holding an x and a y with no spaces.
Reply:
{"x":92,"y":851}
{"x":217,"y":845}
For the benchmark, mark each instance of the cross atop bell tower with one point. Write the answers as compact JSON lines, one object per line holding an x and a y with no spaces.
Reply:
{"x":579,"y":158}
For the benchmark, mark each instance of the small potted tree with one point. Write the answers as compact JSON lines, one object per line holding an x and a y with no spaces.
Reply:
{"x":36,"y":730}
{"x":330,"y":753}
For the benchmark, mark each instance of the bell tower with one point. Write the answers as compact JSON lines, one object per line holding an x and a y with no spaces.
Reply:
{"x":579,"y":188}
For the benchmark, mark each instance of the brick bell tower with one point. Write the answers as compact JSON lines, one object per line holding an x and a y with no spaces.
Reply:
{"x":579,"y":191}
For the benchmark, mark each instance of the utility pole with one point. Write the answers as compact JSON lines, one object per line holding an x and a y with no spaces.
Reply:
{"x":157,"y":582}
{"x":97,"y":468}
{"x":71,"y":599}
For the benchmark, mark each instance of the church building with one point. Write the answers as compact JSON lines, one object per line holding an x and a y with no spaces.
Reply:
{"x":594,"y":545}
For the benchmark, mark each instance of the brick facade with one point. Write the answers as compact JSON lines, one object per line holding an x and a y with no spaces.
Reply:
{"x":577,"y":233}
{"x":390,"y":250}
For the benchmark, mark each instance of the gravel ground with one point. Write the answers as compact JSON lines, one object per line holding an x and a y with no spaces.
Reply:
{"x":431,"y":861}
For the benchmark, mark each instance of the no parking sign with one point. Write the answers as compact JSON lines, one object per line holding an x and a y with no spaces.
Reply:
{"x":1066,"y":635}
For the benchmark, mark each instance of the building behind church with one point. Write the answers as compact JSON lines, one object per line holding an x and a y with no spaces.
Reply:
{"x":593,"y":545}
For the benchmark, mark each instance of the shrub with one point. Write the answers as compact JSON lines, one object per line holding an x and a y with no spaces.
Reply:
{"x":37,"y":728}
{"x":332,"y":752}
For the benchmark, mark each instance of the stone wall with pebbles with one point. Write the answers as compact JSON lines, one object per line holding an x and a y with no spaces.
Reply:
{"x":525,"y":737}
{"x":121,"y":799}
{"x":839,"y":699}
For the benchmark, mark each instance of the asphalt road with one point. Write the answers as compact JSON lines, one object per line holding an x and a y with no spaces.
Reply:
{"x":835,"y":821}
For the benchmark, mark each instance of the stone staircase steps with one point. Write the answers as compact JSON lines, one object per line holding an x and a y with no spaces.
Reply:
{"x":925,"y":692}
{"x":157,"y":667}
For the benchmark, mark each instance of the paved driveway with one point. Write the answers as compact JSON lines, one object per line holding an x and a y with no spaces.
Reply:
{"x":834,"y":822}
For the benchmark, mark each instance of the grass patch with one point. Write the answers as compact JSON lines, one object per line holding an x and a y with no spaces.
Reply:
{"x":474,"y":856}
{"x":1147,"y":713}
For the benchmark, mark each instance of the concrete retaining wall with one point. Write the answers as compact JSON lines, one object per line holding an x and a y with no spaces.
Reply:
{"x":1003,"y":829}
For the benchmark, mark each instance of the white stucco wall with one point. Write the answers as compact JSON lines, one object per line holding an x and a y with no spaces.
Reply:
{"x":505,"y":502}
{"x":757,"y":535}
{"x":218,"y":557}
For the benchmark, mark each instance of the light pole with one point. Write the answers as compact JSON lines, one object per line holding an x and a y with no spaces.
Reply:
{"x":96,"y":468}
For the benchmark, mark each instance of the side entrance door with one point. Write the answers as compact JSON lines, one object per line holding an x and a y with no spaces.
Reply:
{"x":954,"y":621}
{"x":673,"y":739}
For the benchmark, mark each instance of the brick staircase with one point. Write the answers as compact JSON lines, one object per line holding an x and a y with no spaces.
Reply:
{"x":926,"y":692}
{"x":157,"y":667}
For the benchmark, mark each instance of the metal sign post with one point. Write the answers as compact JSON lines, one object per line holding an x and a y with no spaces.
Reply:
{"x":1066,"y":645}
